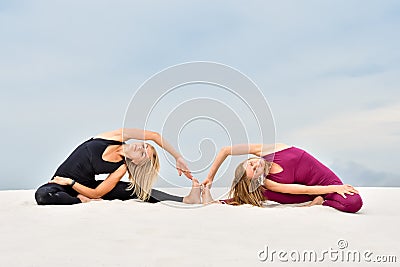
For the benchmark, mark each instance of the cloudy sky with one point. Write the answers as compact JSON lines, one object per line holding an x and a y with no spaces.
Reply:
{"x":330,"y":71}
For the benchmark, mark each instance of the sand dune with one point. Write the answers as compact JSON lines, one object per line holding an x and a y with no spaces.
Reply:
{"x":133,"y":233}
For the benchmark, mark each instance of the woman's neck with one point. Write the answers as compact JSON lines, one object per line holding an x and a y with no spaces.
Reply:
{"x":275,"y":168}
{"x":121,"y":150}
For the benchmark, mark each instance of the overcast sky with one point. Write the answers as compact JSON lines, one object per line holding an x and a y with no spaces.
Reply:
{"x":330,"y":71}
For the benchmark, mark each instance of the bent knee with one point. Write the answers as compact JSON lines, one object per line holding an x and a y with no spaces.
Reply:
{"x":42,"y":196}
{"x":353,"y":203}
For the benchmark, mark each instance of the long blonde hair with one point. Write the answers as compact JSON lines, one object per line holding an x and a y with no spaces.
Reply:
{"x":240,"y":192}
{"x":142,"y":177}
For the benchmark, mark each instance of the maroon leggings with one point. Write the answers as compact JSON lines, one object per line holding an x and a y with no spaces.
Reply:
{"x":352,"y":203}
{"x":299,"y":167}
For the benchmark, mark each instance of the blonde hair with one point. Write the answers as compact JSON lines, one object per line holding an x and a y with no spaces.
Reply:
{"x":240,"y":192}
{"x":143,"y":176}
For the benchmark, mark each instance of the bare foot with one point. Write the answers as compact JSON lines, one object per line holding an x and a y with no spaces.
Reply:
{"x":85,"y":199}
{"x":206,"y":196}
{"x":194,"y":195}
{"x":317,"y":201}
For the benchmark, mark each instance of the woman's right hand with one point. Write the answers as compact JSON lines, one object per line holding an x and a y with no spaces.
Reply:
{"x":345,"y":189}
{"x":61,"y":180}
{"x":207,"y":182}
{"x":182,"y":167}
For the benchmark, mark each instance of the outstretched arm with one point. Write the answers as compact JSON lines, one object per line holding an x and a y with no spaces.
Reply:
{"x":181,"y":165}
{"x":222,"y":155}
{"x":309,"y":190}
{"x":103,"y":188}
{"x":241,"y":149}
{"x":125,"y":134}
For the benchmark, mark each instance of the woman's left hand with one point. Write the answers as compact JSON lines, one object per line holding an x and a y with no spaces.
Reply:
{"x":345,"y":189}
{"x":182,"y":167}
{"x":61,"y":180}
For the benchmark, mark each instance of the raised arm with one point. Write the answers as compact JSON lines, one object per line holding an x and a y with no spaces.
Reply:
{"x":219,"y":159}
{"x":125,"y":134}
{"x":309,"y":190}
{"x":103,"y":188}
{"x":240,"y":149}
{"x":181,"y":165}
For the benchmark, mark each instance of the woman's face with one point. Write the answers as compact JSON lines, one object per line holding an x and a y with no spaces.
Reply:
{"x":138,"y":152}
{"x":254,"y":167}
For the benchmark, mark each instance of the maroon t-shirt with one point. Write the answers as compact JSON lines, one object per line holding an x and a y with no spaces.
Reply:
{"x":299,"y":167}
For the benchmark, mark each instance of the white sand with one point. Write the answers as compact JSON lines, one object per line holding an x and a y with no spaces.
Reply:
{"x":131,"y":233}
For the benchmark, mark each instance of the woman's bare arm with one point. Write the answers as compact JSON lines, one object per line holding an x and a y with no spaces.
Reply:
{"x":125,"y":134}
{"x":103,"y":188}
{"x":309,"y":190}
{"x":240,"y":149}
{"x":219,"y":159}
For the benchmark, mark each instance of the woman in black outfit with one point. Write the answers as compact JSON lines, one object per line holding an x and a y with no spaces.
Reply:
{"x":107,"y":153}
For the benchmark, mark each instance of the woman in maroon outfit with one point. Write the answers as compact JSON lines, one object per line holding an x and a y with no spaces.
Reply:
{"x":284,"y":174}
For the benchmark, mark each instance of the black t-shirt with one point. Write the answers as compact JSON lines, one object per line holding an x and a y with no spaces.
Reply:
{"x":86,"y":161}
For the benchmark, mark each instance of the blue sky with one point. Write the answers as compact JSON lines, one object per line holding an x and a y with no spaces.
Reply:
{"x":329,"y":69}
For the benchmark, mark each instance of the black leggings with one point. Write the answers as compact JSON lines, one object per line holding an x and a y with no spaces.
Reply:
{"x":55,"y":194}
